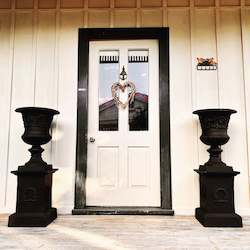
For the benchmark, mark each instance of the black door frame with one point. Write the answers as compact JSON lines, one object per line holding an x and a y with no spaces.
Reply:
{"x":87,"y":35}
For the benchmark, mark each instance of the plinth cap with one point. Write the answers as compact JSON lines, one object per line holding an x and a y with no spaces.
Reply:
{"x":37,"y":109}
{"x":214,"y":110}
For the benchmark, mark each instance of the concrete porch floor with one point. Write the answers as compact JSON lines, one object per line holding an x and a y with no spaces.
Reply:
{"x":124,"y":233}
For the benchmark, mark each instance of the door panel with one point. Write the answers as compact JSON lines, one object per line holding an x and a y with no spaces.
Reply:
{"x":138,"y":164}
{"x":123,"y":166}
{"x":107,"y":173}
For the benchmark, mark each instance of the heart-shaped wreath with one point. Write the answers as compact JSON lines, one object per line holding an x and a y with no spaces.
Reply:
{"x":116,"y":87}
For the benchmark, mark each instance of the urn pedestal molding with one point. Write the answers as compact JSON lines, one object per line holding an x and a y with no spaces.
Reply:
{"x":216,"y":178}
{"x":33,"y":206}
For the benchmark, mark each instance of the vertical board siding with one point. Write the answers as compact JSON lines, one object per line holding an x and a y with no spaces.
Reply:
{"x":124,"y":18}
{"x":22,"y":95}
{"x":245,"y":18}
{"x":205,"y":46}
{"x":205,"y":82}
{"x":181,"y":104}
{"x":45,"y":87}
{"x":151,"y":18}
{"x":5,"y":90}
{"x":38,"y":66}
{"x":45,"y":92}
{"x":65,"y":134}
{"x":232,"y":95}
{"x":98,"y":19}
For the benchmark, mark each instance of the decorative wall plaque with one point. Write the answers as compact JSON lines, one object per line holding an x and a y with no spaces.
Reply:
{"x":206,"y":64}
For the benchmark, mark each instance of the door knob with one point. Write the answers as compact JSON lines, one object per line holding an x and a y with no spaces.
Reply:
{"x":92,"y":139}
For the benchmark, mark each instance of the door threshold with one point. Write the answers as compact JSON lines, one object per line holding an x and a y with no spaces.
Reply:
{"x":122,"y":211}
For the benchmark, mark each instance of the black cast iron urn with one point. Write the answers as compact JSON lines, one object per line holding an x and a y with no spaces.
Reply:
{"x":33,"y":207}
{"x":216,"y":178}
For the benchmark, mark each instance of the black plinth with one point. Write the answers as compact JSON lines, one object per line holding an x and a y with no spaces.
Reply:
{"x":217,"y":198}
{"x":33,"y":207}
{"x":216,"y":178}
{"x":34,"y":179}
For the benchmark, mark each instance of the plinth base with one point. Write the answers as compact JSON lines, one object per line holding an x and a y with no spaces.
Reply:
{"x":218,"y":219}
{"x":32,"y":219}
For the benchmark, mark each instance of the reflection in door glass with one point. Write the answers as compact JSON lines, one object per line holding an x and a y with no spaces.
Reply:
{"x":138,"y":74}
{"x":108,"y":74}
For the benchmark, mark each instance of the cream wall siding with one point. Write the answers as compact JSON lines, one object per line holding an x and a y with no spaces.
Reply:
{"x":38,"y":66}
{"x":231,"y":92}
{"x":245,"y":19}
{"x":6,"y":46}
{"x":183,"y":137}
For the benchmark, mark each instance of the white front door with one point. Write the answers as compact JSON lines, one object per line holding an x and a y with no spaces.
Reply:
{"x":123,"y":166}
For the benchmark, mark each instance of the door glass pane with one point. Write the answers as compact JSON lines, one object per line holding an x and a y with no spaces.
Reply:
{"x":138,"y":74}
{"x":108,"y":74}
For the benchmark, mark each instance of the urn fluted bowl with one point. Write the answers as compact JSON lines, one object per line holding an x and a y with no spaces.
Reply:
{"x":37,"y":122}
{"x":214,"y":125}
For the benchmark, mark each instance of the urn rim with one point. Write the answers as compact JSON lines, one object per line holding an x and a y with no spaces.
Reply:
{"x":213,"y":111}
{"x":35,"y":109}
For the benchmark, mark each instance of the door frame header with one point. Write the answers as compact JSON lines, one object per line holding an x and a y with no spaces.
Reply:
{"x":98,"y":34}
